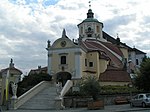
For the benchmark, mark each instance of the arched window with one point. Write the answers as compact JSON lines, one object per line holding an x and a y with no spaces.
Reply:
{"x":98,"y":30}
{"x":63,"y":60}
{"x":89,"y":29}
{"x":81,"y":30}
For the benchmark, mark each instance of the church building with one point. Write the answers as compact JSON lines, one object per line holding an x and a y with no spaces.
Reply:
{"x":8,"y":76}
{"x":94,"y":53}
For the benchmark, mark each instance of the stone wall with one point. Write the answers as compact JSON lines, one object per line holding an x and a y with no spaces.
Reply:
{"x":75,"y":102}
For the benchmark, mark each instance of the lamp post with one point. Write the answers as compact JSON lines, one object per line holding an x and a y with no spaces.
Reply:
{"x":130,"y":86}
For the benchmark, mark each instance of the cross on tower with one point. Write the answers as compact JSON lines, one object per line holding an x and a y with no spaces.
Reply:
{"x":89,"y":4}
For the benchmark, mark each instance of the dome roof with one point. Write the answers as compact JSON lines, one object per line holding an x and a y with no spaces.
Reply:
{"x":90,"y":20}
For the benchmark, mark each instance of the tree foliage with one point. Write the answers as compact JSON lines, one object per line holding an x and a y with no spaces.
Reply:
{"x":142,"y":81}
{"x":30,"y":81}
{"x":90,"y":86}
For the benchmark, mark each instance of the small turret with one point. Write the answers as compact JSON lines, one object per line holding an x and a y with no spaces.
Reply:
{"x":11,"y":65}
{"x":90,"y":14}
{"x":118,"y":40}
{"x":48,"y":44}
{"x":64,"y":34}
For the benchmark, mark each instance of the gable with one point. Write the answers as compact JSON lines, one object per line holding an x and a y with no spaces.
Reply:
{"x":62,"y":43}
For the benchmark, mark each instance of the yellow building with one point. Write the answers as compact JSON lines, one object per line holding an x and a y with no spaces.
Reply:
{"x":93,"y":53}
{"x":10,"y":75}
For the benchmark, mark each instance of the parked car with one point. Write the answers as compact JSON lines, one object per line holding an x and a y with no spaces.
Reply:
{"x":140,"y":100}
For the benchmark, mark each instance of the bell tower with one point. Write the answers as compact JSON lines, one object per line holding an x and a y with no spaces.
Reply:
{"x":91,"y":27}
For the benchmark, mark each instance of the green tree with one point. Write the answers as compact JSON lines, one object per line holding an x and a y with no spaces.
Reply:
{"x":90,"y":86}
{"x":142,"y":81}
{"x":31,"y":80}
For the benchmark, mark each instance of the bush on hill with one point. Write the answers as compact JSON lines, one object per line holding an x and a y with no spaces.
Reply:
{"x":31,"y":80}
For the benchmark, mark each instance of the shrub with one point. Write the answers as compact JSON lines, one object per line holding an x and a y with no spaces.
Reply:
{"x":31,"y":80}
{"x":90,"y":86}
{"x":118,"y":89}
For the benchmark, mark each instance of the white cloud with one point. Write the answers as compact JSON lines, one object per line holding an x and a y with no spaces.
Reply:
{"x":25,"y":26}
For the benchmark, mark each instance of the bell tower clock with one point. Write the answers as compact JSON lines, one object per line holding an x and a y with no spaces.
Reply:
{"x":63,"y":43}
{"x":89,"y":30}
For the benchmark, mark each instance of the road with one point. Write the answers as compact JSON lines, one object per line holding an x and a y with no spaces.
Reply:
{"x":110,"y":108}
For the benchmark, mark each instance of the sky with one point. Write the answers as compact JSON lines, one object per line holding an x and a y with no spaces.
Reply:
{"x":26,"y":25}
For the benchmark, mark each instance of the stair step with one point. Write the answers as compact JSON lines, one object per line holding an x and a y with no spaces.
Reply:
{"x":44,"y":100}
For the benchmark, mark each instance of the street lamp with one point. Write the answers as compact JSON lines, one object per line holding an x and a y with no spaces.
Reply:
{"x":130,"y":86}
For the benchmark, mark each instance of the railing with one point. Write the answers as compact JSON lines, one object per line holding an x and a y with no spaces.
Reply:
{"x":59,"y":101}
{"x":66,"y":88}
{"x":16,"y":103}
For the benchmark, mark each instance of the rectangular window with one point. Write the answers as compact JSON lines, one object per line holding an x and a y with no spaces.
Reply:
{"x":90,"y":64}
{"x":129,"y":56}
{"x":11,"y":75}
{"x":63,"y":60}
{"x":85,"y":62}
{"x":89,"y":35}
{"x":98,"y":29}
{"x":81,"y":30}
{"x":137,"y":62}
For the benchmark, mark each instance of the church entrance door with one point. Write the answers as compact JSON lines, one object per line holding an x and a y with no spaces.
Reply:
{"x":63,"y":77}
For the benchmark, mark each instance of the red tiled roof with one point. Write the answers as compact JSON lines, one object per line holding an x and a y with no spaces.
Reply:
{"x":113,"y":47}
{"x":115,"y":75}
{"x":12,"y":68}
{"x":114,"y":41}
{"x":95,"y":44}
{"x":91,"y":48}
{"x":43,"y":69}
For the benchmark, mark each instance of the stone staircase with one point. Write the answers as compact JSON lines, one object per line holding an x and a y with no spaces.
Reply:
{"x":44,"y":100}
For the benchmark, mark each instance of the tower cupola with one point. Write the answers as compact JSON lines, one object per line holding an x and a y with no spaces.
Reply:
{"x":91,"y":27}
{"x":90,"y":14}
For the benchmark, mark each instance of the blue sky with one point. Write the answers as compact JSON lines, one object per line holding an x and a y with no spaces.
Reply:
{"x":26,"y":25}
{"x":27,"y":2}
